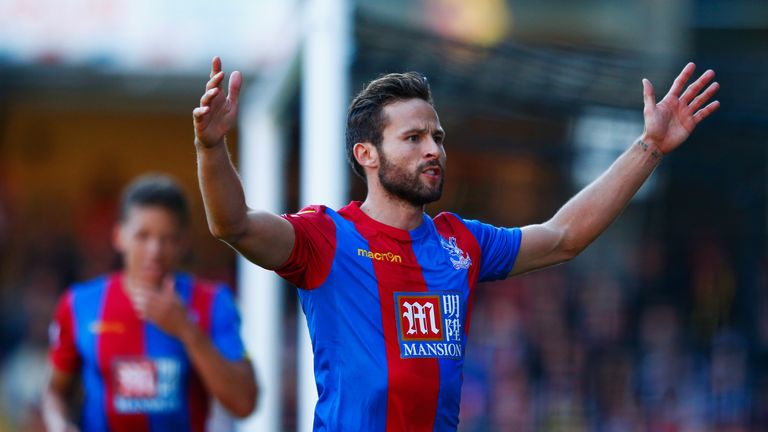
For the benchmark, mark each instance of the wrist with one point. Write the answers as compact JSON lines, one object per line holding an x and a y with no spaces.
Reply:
{"x":650,"y":146}
{"x":188,"y":333}
{"x":203,"y":145}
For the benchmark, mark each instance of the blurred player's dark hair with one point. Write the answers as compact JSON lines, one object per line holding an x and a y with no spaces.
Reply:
{"x":155,"y":190}
{"x":365,"y":117}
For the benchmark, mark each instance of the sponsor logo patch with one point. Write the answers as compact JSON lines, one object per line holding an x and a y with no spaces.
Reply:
{"x":380,"y":256}
{"x":144,"y":385}
{"x":429,"y":324}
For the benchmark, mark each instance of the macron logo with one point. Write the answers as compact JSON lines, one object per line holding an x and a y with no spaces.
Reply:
{"x":380,"y":256}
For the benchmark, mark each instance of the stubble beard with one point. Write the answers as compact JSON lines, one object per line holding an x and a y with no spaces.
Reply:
{"x":407,"y":186}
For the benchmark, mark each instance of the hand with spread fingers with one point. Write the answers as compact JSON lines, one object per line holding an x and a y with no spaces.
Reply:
{"x":670,"y":121}
{"x":217,"y":112}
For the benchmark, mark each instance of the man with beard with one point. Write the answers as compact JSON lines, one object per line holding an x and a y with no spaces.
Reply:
{"x":388,"y":290}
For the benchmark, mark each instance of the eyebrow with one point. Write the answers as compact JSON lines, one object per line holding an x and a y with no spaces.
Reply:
{"x":422,"y":131}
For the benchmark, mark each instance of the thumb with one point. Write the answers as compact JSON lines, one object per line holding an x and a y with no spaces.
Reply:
{"x":169,"y":285}
{"x":649,"y":98}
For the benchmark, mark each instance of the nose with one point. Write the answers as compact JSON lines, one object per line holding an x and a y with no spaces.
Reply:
{"x":154,"y":246}
{"x":432,"y":149}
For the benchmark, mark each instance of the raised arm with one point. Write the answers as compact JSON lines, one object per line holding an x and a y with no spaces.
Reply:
{"x":585,"y":216}
{"x":263,"y":238}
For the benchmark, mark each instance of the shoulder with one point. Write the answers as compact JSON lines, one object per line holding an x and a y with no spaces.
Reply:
{"x":98,"y":283}
{"x":88,"y":289}
{"x":314,"y":217}
{"x":450,"y":224}
{"x":448,"y":218}
{"x":311,"y":212}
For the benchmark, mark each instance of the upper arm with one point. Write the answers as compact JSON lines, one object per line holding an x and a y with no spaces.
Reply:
{"x":540,"y":246}
{"x":61,"y":383}
{"x":63,"y":353}
{"x":267,"y":241}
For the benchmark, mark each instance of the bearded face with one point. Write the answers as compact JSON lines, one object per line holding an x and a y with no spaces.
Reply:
{"x":409,"y":185}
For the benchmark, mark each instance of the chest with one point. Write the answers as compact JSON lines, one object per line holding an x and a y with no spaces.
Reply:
{"x":112,"y":339}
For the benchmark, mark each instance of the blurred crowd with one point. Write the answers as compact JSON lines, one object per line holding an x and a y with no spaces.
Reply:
{"x":607,"y":350}
{"x":39,"y":259}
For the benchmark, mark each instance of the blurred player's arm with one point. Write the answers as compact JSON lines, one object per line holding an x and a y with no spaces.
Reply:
{"x":263,"y":238}
{"x":231,"y":382}
{"x":54,"y":404}
{"x":585,"y":216}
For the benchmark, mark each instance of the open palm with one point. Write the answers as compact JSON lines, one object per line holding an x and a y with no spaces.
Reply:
{"x":217,"y":112}
{"x":669,"y":122}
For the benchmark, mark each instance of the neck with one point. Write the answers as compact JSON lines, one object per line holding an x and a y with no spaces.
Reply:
{"x":132,"y":283}
{"x":382,"y":207}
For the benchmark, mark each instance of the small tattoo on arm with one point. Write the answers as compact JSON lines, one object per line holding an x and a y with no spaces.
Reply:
{"x":654,"y":153}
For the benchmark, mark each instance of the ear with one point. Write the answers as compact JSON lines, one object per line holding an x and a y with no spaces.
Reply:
{"x":118,"y":238}
{"x":366,"y":154}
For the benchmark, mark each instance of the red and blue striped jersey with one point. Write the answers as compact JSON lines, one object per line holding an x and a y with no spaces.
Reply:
{"x":135,"y":376}
{"x":388,"y":313}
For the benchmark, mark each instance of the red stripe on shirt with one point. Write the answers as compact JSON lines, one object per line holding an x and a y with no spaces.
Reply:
{"x":201,"y":302}
{"x":63,"y":354}
{"x":448,"y":226}
{"x":120,"y":335}
{"x":414,"y":383}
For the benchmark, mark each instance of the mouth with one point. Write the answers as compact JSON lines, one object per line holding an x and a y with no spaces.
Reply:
{"x":153,"y":269}
{"x":433,"y":172}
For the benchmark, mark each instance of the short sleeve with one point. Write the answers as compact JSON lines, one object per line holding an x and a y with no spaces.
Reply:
{"x":498,"y":248}
{"x":63,"y":353}
{"x":225,"y":326}
{"x":313,"y":249}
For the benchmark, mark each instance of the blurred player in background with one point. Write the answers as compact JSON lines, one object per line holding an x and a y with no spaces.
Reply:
{"x":387,"y":290}
{"x":150,"y":344}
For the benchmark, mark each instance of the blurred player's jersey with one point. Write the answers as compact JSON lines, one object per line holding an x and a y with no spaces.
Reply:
{"x":388,"y":313}
{"x":136,"y":377}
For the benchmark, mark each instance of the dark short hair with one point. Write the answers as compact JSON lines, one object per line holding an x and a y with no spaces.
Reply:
{"x":155,"y":190}
{"x":365,"y":117}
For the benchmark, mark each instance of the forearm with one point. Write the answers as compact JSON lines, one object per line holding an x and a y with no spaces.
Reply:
{"x":54,"y":410}
{"x":592,"y":210}
{"x":232,"y":383}
{"x":222,"y":192}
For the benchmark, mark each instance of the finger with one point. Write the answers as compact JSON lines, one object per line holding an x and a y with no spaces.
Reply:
{"x":696,"y":86}
{"x":704,"y":97}
{"x":169,"y":285}
{"x":706,"y":111}
{"x":235,"y":83}
{"x":649,"y":98}
{"x":215,"y":81}
{"x":208,"y":96}
{"x":215,"y":66}
{"x":685,"y":75}
{"x":200,"y":112}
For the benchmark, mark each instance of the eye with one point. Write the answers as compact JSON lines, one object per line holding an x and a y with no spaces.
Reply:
{"x":412,"y":138}
{"x":438,"y":138}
